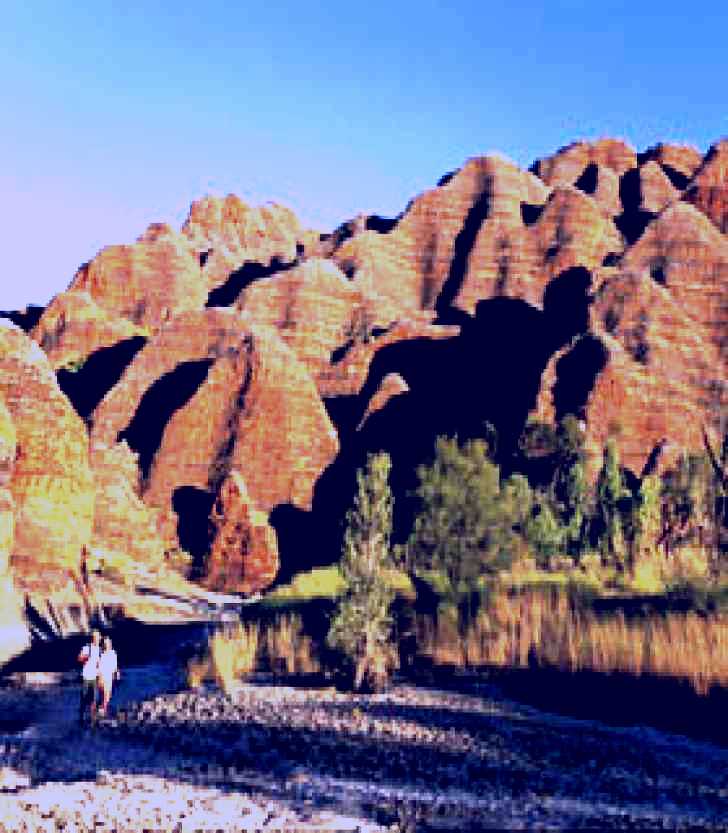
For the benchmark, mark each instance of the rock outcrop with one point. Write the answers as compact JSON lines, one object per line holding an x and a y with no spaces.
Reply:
{"x":51,"y":482}
{"x":145,"y":283}
{"x":244,"y":553}
{"x":708,"y":189}
{"x":208,"y":366}
{"x":74,"y":326}
{"x":240,"y":400}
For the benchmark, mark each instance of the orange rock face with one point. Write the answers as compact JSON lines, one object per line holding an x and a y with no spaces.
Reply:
{"x":244,"y":554}
{"x":708,"y":190}
{"x":51,"y":483}
{"x":568,"y":164}
{"x":73,"y":326}
{"x":315,"y":310}
{"x":683,"y":251}
{"x":229,"y":233}
{"x":145,"y":283}
{"x":250,"y":406}
{"x":683,"y":159}
{"x":123,"y":524}
{"x":656,"y":190}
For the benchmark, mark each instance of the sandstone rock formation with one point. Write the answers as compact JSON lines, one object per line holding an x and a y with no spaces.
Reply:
{"x":145,"y":283}
{"x":244,"y":553}
{"x":683,"y":251}
{"x":316,"y":311}
{"x":211,"y":364}
{"x":708,"y":189}
{"x":656,"y":190}
{"x":74,"y":326}
{"x":51,"y":482}
{"x":240,"y":401}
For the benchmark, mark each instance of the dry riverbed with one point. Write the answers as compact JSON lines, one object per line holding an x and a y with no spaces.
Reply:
{"x":283,"y":758}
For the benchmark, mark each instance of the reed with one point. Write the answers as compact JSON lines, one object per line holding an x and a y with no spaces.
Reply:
{"x":549,"y":629}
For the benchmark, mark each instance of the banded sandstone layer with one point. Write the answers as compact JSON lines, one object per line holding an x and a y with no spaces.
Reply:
{"x":213,"y":389}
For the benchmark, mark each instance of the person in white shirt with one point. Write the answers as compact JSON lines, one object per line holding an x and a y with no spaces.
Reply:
{"x":89,"y":656}
{"x":108,"y":671}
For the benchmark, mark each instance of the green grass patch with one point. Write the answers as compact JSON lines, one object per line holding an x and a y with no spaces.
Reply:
{"x":328,"y":583}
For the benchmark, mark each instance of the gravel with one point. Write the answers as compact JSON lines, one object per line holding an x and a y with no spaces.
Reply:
{"x":278,"y":757}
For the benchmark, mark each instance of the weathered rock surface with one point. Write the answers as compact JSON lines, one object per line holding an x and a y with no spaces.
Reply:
{"x":391,"y":385}
{"x":250,"y":406}
{"x":683,"y":251}
{"x":244,"y":553}
{"x":708,"y":190}
{"x":316,"y":311}
{"x":51,"y":481}
{"x":201,"y":358}
{"x":683,"y":159}
{"x":656,"y":190}
{"x":569,"y":163}
{"x":74,"y":326}
{"x":146,"y":282}
{"x":226,"y":233}
{"x":125,"y":528}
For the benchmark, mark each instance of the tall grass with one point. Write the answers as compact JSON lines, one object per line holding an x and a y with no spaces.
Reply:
{"x":234,"y":652}
{"x":548,"y":629}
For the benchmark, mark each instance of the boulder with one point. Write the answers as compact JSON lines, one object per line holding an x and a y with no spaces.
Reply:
{"x":244,"y":553}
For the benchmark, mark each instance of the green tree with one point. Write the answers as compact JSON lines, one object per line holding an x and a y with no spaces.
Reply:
{"x":570,"y":491}
{"x":647,"y":520}
{"x":361,"y":627}
{"x":611,"y":495}
{"x":462,"y":528}
{"x":544,"y":531}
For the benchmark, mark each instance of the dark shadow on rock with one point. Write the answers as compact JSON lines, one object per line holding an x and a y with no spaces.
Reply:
{"x":566,"y":302}
{"x":589,"y":179}
{"x":448,"y":177}
{"x":530,"y":214}
{"x":88,"y":385}
{"x":576,"y":373}
{"x":462,"y":247}
{"x":633,"y":220}
{"x":678,"y":179}
{"x":26,"y":318}
{"x":168,"y":393}
{"x":382,"y":225}
{"x":194,"y":527}
{"x":227,"y":293}
{"x":490,"y":373}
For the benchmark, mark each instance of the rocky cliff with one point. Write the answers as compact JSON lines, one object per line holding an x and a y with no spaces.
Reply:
{"x":211,"y":390}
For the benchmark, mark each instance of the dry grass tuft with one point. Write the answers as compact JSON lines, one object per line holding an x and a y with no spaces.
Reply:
{"x":546,"y":628}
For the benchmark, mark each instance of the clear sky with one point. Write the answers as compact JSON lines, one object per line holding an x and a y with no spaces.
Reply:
{"x":118,"y":114}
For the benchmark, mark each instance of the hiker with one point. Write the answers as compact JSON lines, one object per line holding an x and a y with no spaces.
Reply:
{"x":89,"y":656}
{"x":108,"y":672}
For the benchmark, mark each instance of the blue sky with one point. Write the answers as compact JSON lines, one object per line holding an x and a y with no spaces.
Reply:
{"x":119,"y":114}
